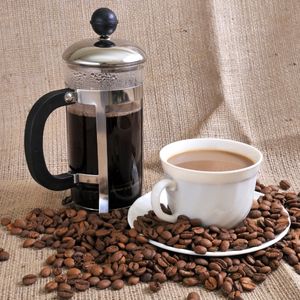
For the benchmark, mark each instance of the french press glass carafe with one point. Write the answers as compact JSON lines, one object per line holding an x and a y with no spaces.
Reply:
{"x":103,"y":99}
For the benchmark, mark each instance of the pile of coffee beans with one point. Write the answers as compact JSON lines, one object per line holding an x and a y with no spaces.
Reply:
{"x":266,"y":219}
{"x":100,"y":250}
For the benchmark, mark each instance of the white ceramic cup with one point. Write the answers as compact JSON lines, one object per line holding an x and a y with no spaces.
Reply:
{"x":220,"y":198}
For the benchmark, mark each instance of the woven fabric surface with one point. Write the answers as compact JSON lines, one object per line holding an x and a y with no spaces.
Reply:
{"x":227,"y":69}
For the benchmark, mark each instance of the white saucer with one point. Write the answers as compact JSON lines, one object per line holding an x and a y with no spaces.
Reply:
{"x":143,"y":204}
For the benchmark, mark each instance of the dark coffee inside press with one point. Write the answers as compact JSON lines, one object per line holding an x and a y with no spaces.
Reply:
{"x":124,"y":154}
{"x":210,"y":160}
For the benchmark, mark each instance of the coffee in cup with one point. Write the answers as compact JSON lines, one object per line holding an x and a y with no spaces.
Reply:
{"x":210,"y":160}
{"x":208,"y":179}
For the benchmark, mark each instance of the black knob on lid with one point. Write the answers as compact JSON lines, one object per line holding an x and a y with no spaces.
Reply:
{"x":104,"y":21}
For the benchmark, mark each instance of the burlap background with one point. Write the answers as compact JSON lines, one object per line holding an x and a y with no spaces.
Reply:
{"x":215,"y":69}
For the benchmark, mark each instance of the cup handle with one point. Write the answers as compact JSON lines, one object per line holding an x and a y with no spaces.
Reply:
{"x":155,"y":199}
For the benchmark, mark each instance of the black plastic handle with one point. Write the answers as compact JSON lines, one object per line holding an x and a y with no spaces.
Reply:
{"x":34,"y":132}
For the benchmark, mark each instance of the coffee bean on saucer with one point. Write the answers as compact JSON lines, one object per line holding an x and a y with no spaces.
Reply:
{"x":200,"y":249}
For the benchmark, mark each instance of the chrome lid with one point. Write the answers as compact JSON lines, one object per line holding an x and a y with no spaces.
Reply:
{"x":102,"y":51}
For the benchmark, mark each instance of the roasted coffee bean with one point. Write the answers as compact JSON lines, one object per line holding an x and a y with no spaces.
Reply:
{"x":28,"y":243}
{"x":16,"y":231}
{"x":117,"y":255}
{"x":93,"y":280}
{"x":193,"y":296}
{"x":239,"y":244}
{"x":117,"y":284}
{"x":269,"y":235}
{"x":64,"y":286}
{"x":284,"y":184}
{"x":112,"y":249}
{"x":65,"y":293}
{"x":173,"y":240}
{"x":259,"y":277}
{"x":166,"y":235}
{"x":5,"y":221}
{"x":214,"y":266}
{"x":288,"y":251}
{"x":73,"y":273}
{"x":4,"y":255}
{"x":29,"y":279}
{"x":96,"y":270}
{"x":254,"y":243}
{"x":297,"y":268}
{"x":46,"y":272}
{"x":224,"y":246}
{"x":133,"y":280}
{"x":200,"y":249}
{"x":82,"y":285}
{"x":254,"y":214}
{"x":69,"y":262}
{"x":160,"y":277}
{"x":293,"y":259}
{"x":61,"y":278}
{"x":247,"y":284}
{"x":205,"y":243}
{"x":265,"y":270}
{"x":57,"y":271}
{"x":235,"y":295}
{"x":51,"y":286}
{"x":146,"y":277}
{"x":154,"y":286}
{"x":227,"y":287}
{"x":211,"y":283}
{"x":190,"y":281}
{"x":103,"y":284}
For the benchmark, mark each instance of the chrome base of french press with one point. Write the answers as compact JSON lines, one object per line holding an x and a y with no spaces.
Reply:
{"x":68,"y":202}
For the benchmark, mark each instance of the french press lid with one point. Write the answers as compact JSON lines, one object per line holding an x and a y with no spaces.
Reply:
{"x":104,"y":52}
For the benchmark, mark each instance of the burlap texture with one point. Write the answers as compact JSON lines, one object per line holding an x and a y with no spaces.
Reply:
{"x":225,"y":69}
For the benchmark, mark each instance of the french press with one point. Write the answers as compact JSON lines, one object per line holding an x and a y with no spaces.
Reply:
{"x":104,"y":101}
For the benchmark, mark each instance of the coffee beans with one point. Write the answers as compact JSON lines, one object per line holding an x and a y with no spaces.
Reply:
{"x":266,"y":219}
{"x":29,"y":279}
{"x":4,"y":255}
{"x":99,"y":250}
